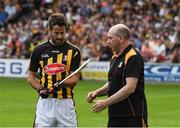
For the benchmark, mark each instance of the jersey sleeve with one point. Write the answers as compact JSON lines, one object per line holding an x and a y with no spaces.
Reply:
{"x":133,"y":67}
{"x":76,"y":60}
{"x":34,"y":62}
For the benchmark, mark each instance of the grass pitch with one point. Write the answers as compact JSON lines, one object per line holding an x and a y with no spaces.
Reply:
{"x":18,"y":104}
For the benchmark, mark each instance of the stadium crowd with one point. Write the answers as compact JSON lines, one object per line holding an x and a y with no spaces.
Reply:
{"x":155,"y":25}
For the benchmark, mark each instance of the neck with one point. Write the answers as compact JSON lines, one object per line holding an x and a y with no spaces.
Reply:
{"x":56,"y":44}
{"x":122,"y":48}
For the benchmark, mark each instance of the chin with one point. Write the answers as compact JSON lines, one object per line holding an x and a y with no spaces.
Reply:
{"x":59,"y":42}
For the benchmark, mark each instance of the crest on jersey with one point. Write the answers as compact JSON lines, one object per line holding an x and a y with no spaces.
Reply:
{"x":120,"y":64}
{"x":65,"y":58}
{"x":54,"y":68}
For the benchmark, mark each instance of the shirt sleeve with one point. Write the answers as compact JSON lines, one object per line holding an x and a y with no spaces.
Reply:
{"x":133,"y":67}
{"x":76,"y":60}
{"x":34,"y":62}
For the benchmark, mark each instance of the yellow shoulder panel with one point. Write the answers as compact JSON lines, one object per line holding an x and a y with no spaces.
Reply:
{"x":129,"y":54}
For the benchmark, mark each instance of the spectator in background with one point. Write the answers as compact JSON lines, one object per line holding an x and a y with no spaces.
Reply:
{"x":147,"y":52}
{"x":92,"y":18}
{"x":159,"y":49}
{"x":10,"y":9}
{"x":3,"y":17}
{"x":2,"y":49}
{"x":175,"y":56}
{"x":105,"y":53}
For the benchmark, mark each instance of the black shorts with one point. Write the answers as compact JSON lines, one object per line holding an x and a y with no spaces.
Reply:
{"x":128,"y":122}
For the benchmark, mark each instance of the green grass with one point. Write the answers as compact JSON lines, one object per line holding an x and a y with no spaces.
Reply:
{"x":18,"y":104}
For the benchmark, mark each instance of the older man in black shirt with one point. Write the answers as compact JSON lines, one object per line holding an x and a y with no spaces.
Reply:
{"x":126,"y":100}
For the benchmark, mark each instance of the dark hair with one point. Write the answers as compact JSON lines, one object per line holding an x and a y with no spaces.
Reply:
{"x":57,"y":19}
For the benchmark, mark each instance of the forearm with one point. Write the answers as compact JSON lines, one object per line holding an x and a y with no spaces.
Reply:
{"x":72,"y":81}
{"x":124,"y":92}
{"x":35,"y":84}
{"x":118,"y":96}
{"x":33,"y":81}
{"x":103,"y":90}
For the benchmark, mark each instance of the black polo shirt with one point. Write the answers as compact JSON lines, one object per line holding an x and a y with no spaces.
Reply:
{"x":128,"y":64}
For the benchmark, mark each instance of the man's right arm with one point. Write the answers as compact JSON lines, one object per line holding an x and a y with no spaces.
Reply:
{"x":102,"y":91}
{"x":33,"y":81}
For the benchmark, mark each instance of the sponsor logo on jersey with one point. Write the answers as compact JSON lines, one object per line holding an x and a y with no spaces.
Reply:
{"x":44,"y":55}
{"x":54,"y":68}
{"x":65,"y":58}
{"x":55,"y":51}
{"x":120,"y":64}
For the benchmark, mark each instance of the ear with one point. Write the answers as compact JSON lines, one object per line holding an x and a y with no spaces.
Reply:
{"x":49,"y":31}
{"x":120,"y":39}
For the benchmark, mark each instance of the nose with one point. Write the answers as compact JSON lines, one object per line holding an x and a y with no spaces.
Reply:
{"x":108,"y":42}
{"x":59,"y":36}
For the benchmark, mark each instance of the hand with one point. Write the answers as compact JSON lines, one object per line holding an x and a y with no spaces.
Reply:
{"x":99,"y":105}
{"x":43,"y":92}
{"x":55,"y":88}
{"x":91,"y":96}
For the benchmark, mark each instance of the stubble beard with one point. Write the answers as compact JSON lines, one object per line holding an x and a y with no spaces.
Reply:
{"x":59,"y":42}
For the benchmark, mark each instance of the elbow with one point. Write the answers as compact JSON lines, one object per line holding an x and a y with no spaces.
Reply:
{"x":28,"y":79}
{"x":70,"y":83}
{"x":74,"y":83}
{"x":131,"y":90}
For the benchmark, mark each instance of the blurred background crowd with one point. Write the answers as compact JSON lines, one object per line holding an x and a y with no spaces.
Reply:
{"x":154,"y":24}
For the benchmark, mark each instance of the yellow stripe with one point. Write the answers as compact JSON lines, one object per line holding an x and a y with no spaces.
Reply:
{"x":59,"y":94}
{"x":69,"y":94}
{"x":50,"y":61}
{"x":129,"y":54}
{"x":59,"y":75}
{"x":69,"y":58}
{"x":59,"y":60}
{"x":42,"y":73}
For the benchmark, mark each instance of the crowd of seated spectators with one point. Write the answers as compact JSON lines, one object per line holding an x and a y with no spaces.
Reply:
{"x":154,"y":24}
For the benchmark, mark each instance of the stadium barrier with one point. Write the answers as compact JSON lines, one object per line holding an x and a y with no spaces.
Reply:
{"x":97,"y":70}
{"x":13,"y":68}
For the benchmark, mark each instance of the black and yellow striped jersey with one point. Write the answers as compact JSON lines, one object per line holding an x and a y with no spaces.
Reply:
{"x":55,"y":63}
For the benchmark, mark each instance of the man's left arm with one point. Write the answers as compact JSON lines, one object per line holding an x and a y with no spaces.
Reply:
{"x":76,"y":61}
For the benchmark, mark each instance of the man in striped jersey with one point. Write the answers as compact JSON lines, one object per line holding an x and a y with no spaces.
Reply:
{"x":56,"y":58}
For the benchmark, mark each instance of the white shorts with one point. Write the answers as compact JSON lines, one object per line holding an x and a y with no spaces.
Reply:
{"x":54,"y":112}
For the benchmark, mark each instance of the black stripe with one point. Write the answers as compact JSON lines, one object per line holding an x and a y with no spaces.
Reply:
{"x":64,"y":90}
{"x":55,"y":95}
{"x":72,"y":95}
{"x":45,"y":76}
